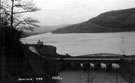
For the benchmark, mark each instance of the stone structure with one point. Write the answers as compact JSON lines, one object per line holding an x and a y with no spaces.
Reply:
{"x":40,"y":42}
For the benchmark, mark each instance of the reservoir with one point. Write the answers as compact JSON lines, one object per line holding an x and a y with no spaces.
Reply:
{"x":88,"y":43}
{"x":76,"y":44}
{"x":70,"y":76}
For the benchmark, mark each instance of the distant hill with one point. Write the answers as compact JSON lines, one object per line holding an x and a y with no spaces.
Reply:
{"x":112,"y":21}
{"x":43,"y":29}
{"x":84,"y":27}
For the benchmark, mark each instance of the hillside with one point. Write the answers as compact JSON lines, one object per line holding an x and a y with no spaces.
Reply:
{"x":43,"y":29}
{"x":112,"y":21}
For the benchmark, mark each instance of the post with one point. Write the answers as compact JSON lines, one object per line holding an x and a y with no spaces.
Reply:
{"x":88,"y":79}
{"x":116,"y":75}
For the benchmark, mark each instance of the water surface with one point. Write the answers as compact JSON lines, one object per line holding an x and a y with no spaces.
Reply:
{"x":90,"y":77}
{"x":88,"y":43}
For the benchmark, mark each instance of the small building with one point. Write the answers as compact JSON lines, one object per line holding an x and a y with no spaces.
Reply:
{"x":46,"y":50}
{"x":40,"y":42}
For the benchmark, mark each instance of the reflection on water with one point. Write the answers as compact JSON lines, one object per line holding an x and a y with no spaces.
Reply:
{"x":88,"y":43}
{"x":90,"y":77}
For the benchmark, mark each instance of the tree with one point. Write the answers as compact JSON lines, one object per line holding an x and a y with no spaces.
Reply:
{"x":14,"y":10}
{"x":88,"y":77}
{"x":11,"y":53}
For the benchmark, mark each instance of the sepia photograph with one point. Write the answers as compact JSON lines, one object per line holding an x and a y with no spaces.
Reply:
{"x":67,"y":41}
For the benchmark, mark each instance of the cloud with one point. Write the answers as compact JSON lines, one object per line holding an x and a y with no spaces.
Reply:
{"x":77,"y":10}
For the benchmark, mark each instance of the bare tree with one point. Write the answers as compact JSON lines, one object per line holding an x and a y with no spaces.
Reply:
{"x":11,"y":13}
{"x":89,"y":77}
{"x":14,"y":10}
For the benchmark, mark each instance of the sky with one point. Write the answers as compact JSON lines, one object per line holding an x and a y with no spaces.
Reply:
{"x":60,"y":12}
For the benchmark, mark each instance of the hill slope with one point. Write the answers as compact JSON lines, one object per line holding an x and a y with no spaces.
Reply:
{"x":43,"y":29}
{"x":113,"y":21}
{"x":84,"y":27}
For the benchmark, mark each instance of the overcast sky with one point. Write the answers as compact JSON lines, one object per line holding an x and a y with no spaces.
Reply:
{"x":58,"y":12}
